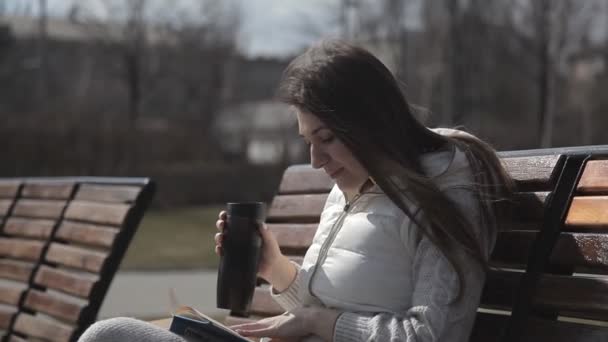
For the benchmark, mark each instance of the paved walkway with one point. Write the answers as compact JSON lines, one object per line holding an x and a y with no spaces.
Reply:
{"x":150,"y":295}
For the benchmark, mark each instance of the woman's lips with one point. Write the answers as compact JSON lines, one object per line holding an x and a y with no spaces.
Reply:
{"x":336,"y":173}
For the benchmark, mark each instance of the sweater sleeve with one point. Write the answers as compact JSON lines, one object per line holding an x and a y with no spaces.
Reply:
{"x":432,"y":310}
{"x":289,"y":299}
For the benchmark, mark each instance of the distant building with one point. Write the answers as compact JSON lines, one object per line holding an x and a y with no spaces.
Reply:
{"x":265,"y":132}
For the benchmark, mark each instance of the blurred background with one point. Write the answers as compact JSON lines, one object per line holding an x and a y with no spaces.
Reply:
{"x":182,"y":91}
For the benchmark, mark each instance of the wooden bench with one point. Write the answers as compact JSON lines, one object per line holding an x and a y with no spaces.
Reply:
{"x":61,"y":242}
{"x":571,"y":299}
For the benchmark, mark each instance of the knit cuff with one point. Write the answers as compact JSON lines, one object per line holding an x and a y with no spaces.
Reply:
{"x":351,"y":327}
{"x":288,"y":299}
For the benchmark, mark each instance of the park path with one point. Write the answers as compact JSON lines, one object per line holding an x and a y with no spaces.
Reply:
{"x":150,"y":295}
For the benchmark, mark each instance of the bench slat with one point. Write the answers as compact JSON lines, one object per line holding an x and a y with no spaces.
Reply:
{"x":588,"y":211}
{"x":296,"y":208}
{"x":531,"y":173}
{"x":15,"y":270}
{"x":11,"y":293}
{"x":68,"y":282}
{"x":89,"y":234}
{"x":488,"y":327}
{"x":582,"y":297}
{"x":9,"y":188}
{"x":76,"y":257}
{"x":50,"y":209}
{"x":42,"y":328}
{"x":33,"y":228}
{"x":595,"y":178}
{"x":112,"y":214}
{"x":107,"y":193}
{"x":6,"y":314}
{"x":20,"y":248}
{"x":52,"y":305}
{"x":303,"y":179}
{"x":48,"y":190}
{"x":579,"y":250}
{"x":4,"y":207}
{"x":293,"y":238}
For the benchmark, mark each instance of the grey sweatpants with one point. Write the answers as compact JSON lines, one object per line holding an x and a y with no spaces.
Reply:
{"x":124,"y":329}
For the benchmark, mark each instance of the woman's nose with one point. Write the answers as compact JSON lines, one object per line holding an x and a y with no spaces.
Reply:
{"x":318,"y":157}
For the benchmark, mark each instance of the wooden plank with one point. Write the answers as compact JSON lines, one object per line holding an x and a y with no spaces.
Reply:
{"x":15,"y":270}
{"x":489,"y":327}
{"x":89,"y":234}
{"x":524,"y":207}
{"x":6,"y":314}
{"x":47,"y":190}
{"x":34,"y":228}
{"x":68,"y":282}
{"x":578,"y":250}
{"x":595,"y":178}
{"x":303,"y":179}
{"x":76,"y":257}
{"x":42,"y":328}
{"x":9,"y":188}
{"x":112,"y":214}
{"x":5,"y":205}
{"x":50,"y":209}
{"x":584,"y":297}
{"x":263,"y":304}
{"x":296,"y":208}
{"x":107,"y":193}
{"x":531,"y":173}
{"x":52,"y":305}
{"x":293,"y":238}
{"x":588,"y":211}
{"x":11,"y":293}
{"x":21,"y":248}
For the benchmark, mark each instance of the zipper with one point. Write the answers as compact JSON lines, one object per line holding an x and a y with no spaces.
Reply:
{"x":330,"y":240}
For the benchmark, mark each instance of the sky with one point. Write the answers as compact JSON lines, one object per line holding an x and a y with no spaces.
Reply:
{"x":268,"y":27}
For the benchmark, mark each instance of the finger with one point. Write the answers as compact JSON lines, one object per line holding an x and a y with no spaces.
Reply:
{"x":219,"y":251}
{"x":263,"y":229}
{"x":220,"y":224}
{"x":222,"y":215}
{"x":218,"y":238}
{"x":262,"y":332}
{"x":251,"y":325}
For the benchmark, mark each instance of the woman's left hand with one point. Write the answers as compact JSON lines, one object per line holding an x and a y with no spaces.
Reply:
{"x":292,"y":324}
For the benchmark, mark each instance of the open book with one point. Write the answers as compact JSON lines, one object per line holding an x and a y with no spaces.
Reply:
{"x":196,"y":326}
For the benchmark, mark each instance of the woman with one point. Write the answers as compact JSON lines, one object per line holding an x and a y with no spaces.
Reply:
{"x":405,"y":235}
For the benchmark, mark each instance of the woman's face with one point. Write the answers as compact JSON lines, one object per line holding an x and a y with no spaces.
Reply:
{"x":330,"y":154}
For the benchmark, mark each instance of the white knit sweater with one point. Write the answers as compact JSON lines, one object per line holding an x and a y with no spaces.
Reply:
{"x":392,"y":284}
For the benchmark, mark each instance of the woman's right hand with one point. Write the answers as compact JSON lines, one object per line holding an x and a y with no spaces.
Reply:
{"x":272,"y":265}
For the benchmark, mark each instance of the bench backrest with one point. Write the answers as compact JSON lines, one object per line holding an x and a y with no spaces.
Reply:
{"x":575,"y":285}
{"x":61,"y":242}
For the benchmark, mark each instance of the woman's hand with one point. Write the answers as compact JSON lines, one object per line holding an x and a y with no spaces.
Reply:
{"x":293,"y":324}
{"x":274,"y":267}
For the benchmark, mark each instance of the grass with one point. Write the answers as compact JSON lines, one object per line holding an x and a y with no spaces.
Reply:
{"x":174,"y":239}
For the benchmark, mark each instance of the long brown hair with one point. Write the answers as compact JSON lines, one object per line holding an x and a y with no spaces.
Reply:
{"x":358,"y":98}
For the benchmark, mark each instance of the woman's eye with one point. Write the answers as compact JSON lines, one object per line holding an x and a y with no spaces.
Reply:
{"x":327,"y":139}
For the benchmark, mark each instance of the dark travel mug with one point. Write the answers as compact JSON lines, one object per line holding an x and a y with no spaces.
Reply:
{"x":242,"y":246}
